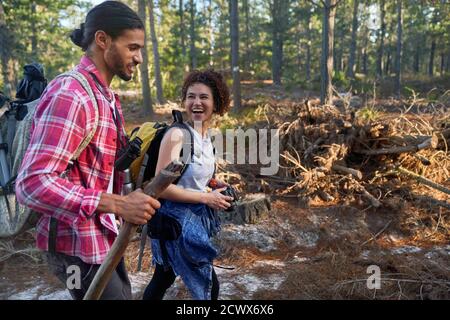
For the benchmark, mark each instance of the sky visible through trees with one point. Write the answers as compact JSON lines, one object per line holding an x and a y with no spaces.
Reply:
{"x":278,"y":40}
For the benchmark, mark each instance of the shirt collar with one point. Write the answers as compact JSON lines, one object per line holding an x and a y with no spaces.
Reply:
{"x":87,"y":64}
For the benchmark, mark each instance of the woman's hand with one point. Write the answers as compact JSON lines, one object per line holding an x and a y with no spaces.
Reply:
{"x":217,"y":201}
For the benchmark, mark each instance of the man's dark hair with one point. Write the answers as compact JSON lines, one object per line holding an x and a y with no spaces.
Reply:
{"x":112,"y":17}
{"x":215,"y":82}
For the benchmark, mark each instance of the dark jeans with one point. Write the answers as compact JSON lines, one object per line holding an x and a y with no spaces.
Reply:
{"x":162,"y":280}
{"x":66,"y":267}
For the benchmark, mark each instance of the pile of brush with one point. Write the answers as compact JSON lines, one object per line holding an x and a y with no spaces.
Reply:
{"x":338,"y":154}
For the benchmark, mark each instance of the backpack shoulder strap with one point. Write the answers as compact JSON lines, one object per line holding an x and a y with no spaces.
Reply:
{"x":177,"y":116}
{"x":187,"y":143}
{"x":178,"y":122}
{"x":81,"y":78}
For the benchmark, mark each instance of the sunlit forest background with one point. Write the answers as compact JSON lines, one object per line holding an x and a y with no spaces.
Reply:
{"x":358,"y":93}
{"x":377,"y":46}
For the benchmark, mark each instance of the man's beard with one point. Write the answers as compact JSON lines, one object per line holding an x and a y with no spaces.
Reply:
{"x":117,"y":65}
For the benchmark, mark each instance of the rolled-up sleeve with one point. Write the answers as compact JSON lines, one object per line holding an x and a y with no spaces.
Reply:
{"x":61,"y":122}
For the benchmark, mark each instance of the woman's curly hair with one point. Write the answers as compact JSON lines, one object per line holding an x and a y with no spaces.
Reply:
{"x":215,"y":81}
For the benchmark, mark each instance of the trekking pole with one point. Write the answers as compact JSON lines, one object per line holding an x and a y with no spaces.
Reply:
{"x":153,"y":189}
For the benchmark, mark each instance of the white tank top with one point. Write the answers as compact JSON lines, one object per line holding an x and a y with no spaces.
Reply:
{"x":201,"y":169}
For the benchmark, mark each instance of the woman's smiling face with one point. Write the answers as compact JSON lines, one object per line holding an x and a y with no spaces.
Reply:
{"x":199,"y":102}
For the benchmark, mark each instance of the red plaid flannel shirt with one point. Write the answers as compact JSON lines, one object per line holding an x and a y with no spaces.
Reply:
{"x":64,"y":116}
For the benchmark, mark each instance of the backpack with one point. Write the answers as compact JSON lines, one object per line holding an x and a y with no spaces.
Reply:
{"x":143,"y":168}
{"x":14,"y":217}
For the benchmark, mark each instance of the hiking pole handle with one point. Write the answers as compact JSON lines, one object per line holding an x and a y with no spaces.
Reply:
{"x":153,"y":189}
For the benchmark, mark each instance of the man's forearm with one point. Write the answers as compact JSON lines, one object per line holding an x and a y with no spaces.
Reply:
{"x":109,"y":203}
{"x":135,"y":207}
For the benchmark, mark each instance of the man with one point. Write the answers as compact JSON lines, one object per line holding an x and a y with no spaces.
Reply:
{"x":80,"y":212}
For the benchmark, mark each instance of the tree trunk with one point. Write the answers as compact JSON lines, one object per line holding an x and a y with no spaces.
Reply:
{"x":387,"y":68}
{"x":298,"y":47}
{"x":4,"y":51}
{"x":146,"y":95}
{"x":211,"y":35}
{"x":34,"y":33}
{"x":382,"y":34}
{"x":364,"y":61}
{"x":398,"y":58}
{"x":156,"y":60}
{"x":234,"y":31}
{"x":326,"y":89}
{"x":247,"y":61}
{"x":358,"y":59}
{"x":432,"y":51}
{"x":193,"y":51}
{"x":447,"y":67}
{"x":182,"y":30}
{"x":416,"y":65}
{"x":279,"y":17}
{"x":308,"y":49}
{"x":338,"y":52}
{"x":351,"y":61}
{"x":442,"y":63}
{"x":389,"y":49}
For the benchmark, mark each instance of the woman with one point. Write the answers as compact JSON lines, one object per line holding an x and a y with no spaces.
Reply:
{"x":191,"y":254}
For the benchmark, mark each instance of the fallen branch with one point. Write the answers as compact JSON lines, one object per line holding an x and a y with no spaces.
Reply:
{"x":281,"y":180}
{"x":423,"y":180}
{"x":312,"y":147}
{"x":355,"y":173}
{"x":432,"y":201}
{"x":11,"y":251}
{"x":431,"y":142}
{"x":422,"y":159}
{"x":325,"y":196}
{"x":373,"y":201}
{"x":443,"y":282}
{"x":378,"y":233}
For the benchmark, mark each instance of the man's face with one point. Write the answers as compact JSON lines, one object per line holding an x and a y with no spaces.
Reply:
{"x":124,"y":53}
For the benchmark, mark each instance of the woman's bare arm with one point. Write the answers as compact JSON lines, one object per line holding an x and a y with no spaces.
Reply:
{"x":170,"y":149}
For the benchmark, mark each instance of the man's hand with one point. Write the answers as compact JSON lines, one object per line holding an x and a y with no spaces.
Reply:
{"x":136,"y":207}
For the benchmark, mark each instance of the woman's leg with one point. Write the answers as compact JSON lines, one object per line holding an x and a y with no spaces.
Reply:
{"x":215,"y":286}
{"x":161,"y":281}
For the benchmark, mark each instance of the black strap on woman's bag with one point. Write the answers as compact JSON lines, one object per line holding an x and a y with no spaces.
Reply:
{"x":163,"y":228}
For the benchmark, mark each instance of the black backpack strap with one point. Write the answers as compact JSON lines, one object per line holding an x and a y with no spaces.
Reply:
{"x":52,"y":235}
{"x":215,"y":164}
{"x":153,"y":150}
{"x":177,"y":116}
{"x":178,"y":122}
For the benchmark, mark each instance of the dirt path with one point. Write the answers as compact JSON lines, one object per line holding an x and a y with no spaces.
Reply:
{"x":316,"y":253}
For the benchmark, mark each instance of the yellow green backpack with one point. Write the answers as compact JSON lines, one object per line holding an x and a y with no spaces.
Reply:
{"x":151,"y":133}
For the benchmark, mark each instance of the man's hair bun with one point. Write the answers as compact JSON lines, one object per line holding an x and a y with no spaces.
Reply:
{"x":77,"y":36}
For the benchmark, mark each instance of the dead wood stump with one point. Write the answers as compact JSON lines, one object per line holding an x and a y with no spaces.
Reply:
{"x":251,"y":209}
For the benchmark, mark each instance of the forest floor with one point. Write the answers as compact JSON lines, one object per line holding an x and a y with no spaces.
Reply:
{"x":324,"y":250}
